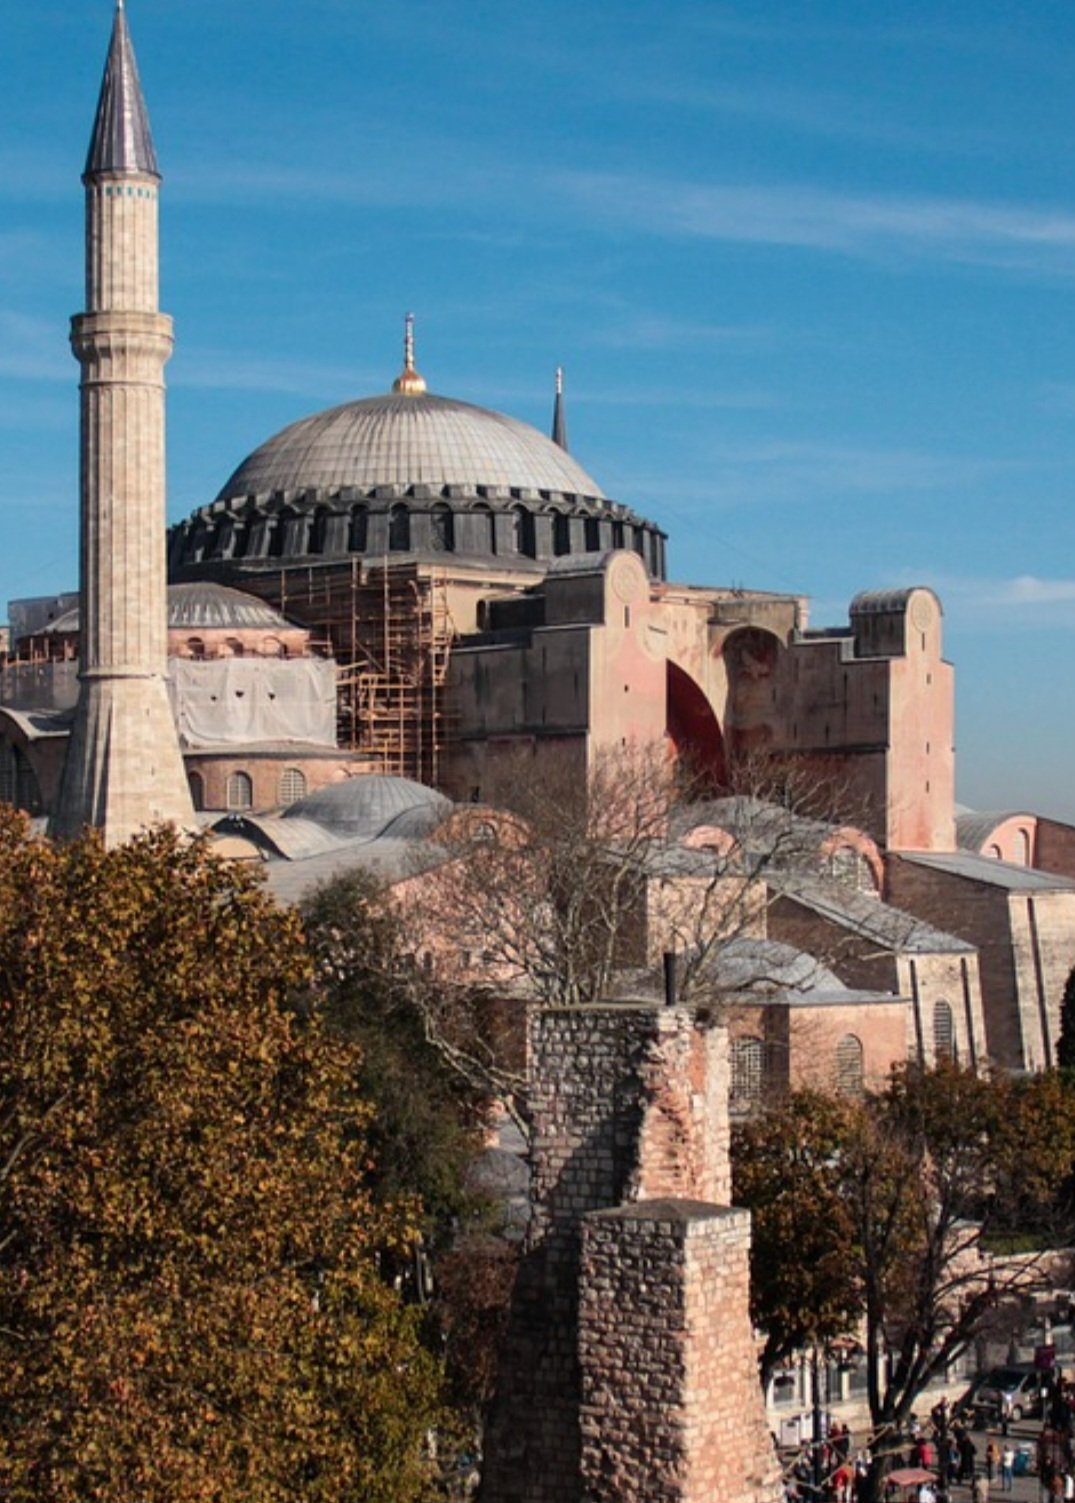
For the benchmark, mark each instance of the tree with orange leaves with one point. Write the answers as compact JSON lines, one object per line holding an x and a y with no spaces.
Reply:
{"x":190,"y":1304}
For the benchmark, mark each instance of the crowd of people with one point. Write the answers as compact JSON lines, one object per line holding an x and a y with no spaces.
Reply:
{"x":944,"y":1454}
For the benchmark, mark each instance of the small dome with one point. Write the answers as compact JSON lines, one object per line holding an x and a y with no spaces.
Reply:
{"x":372,"y":805}
{"x":209,"y":606}
{"x":408,"y":440}
{"x":761,"y":967}
{"x":202,"y":607}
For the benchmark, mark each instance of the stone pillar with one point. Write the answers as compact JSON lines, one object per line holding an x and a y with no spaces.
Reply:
{"x":672,"y":1409}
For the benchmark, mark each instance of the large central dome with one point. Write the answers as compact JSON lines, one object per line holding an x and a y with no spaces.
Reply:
{"x":403,"y":440}
{"x":408,"y":475}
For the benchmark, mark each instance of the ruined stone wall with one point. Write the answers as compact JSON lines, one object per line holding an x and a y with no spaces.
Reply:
{"x":629,"y":1105}
{"x":671,"y":1410}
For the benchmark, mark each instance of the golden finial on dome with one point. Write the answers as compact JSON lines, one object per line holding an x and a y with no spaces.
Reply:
{"x":408,"y":383}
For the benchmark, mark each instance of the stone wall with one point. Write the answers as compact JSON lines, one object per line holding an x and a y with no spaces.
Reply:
{"x":670,"y":1407}
{"x":629,"y":1105}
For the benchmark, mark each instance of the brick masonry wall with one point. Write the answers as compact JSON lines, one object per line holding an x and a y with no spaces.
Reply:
{"x":629,"y":1105}
{"x":671,"y":1408}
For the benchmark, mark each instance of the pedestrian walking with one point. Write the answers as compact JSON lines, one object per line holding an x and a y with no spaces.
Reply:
{"x":980,"y":1488}
{"x":1007,"y":1468}
{"x":992,"y":1461}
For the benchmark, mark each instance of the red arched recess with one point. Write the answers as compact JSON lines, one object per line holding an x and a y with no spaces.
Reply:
{"x":693,"y":729}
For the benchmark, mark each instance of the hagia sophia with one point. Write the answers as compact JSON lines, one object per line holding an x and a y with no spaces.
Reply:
{"x":387,"y":601}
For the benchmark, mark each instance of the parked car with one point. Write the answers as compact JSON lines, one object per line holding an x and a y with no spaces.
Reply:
{"x":1015,"y":1388}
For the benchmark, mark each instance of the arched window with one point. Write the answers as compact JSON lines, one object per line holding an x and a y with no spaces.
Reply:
{"x":399,"y":529}
{"x":240,"y":791}
{"x":638,"y":542}
{"x":617,"y":534}
{"x":850,"y":869}
{"x":234,"y":646}
{"x":278,"y":536}
{"x":561,"y":534}
{"x":849,"y":1071}
{"x":359,"y":529}
{"x":442,"y":529}
{"x":490,"y":527}
{"x":27,"y":791}
{"x":195,"y":647}
{"x":240,"y":537}
{"x":272,"y":647}
{"x":748,"y":1070}
{"x":196,"y":784}
{"x":944,"y":1033}
{"x":1024,"y":846}
{"x":525,"y":541}
{"x":291,"y":787}
{"x":319,"y":531}
{"x":592,"y":531}
{"x":994,"y":852}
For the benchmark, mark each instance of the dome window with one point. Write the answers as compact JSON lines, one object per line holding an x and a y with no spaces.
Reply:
{"x":291,"y":787}
{"x":196,"y":784}
{"x":561,"y":534}
{"x":319,"y":531}
{"x":617,"y":534}
{"x":399,"y":529}
{"x":278,"y":535}
{"x":489,"y":522}
{"x":240,"y":792}
{"x":196,"y":648}
{"x":592,"y":530}
{"x":443,"y":528}
{"x":525,"y":539}
{"x":360,"y":518}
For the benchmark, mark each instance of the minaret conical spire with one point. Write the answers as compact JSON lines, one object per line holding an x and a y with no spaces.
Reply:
{"x":123,"y":769}
{"x":121,"y":140}
{"x":559,"y":416}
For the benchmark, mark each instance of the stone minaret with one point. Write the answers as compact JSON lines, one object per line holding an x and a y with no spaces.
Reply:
{"x":123,"y":769}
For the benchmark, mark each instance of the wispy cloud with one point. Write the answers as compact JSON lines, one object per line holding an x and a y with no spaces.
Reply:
{"x":871,"y":225}
{"x":1000,"y":602}
{"x":653,"y":331}
{"x":220,"y":370}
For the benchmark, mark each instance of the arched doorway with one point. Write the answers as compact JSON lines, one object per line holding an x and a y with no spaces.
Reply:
{"x":693,"y":729}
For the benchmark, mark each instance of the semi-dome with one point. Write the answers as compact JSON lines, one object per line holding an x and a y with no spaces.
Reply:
{"x":408,"y":440}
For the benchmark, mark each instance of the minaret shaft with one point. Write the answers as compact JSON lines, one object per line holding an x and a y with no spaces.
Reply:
{"x":124,"y":769}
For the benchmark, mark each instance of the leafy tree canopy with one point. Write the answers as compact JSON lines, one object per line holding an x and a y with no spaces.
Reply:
{"x":889,"y":1206}
{"x":370,"y":990}
{"x":190,"y":1307}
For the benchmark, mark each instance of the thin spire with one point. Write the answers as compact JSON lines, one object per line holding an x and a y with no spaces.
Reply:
{"x":559,"y":415}
{"x":408,"y":383}
{"x":121,"y":140}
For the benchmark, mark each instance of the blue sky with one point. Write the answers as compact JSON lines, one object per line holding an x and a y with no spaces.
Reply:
{"x":810,"y":270}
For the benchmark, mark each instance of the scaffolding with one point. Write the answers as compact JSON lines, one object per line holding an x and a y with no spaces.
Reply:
{"x":390,"y":630}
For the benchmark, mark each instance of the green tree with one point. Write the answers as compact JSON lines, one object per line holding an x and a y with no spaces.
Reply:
{"x":190,"y":1303}
{"x":1065,"y":1045}
{"x":805,"y":1284}
{"x":366,"y":988}
{"x":916,"y":1181}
